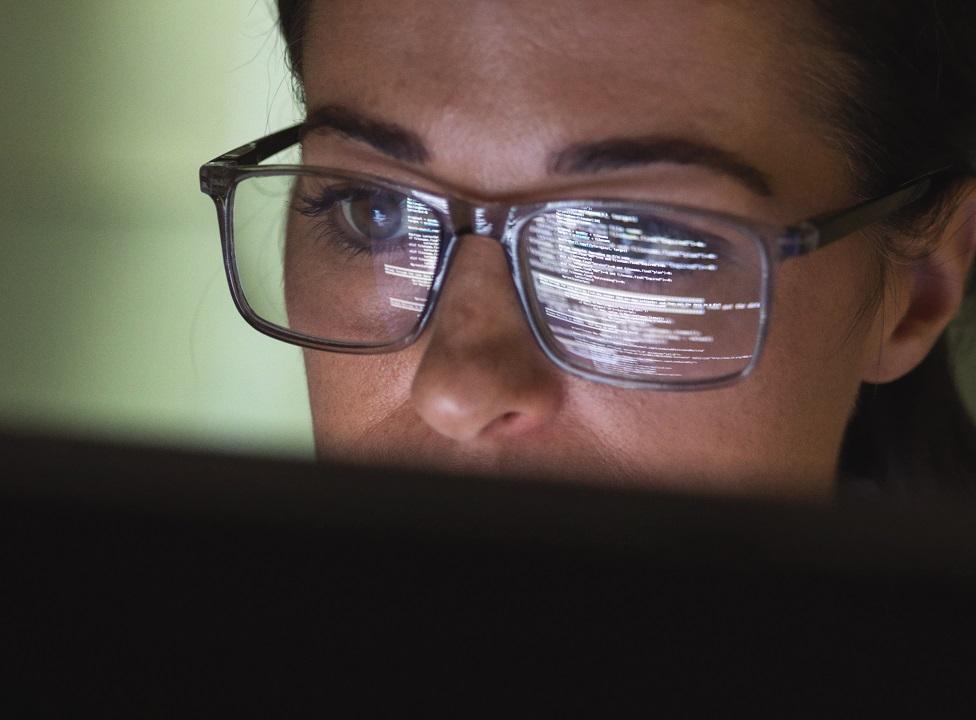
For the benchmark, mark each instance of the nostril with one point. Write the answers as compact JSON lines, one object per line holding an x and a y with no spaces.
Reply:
{"x":508,"y":419}
{"x":508,"y":423}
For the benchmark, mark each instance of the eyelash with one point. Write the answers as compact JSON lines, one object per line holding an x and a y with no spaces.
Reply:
{"x":323,"y":209}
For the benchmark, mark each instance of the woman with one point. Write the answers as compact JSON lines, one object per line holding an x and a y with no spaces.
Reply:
{"x":707,"y":133}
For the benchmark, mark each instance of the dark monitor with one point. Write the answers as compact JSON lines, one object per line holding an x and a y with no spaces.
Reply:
{"x":152,"y":582}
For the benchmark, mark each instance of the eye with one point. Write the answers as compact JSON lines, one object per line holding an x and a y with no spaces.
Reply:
{"x":375,"y":214}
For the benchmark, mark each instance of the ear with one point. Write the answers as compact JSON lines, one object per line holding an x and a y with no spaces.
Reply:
{"x":922,"y":295}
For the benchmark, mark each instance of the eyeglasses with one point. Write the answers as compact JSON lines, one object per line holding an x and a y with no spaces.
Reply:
{"x":633,"y":294}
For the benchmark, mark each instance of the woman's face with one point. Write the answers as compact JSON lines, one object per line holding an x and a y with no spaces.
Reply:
{"x":493,"y":89}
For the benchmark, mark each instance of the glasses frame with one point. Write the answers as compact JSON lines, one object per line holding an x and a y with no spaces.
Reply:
{"x":503,"y":222}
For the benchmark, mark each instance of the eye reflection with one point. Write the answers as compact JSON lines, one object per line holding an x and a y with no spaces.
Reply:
{"x":365,"y":219}
{"x":375,"y":214}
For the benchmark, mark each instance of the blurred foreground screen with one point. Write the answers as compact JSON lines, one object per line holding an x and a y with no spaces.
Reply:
{"x":163,"y":584}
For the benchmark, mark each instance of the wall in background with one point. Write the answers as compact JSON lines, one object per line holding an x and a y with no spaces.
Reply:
{"x":116,"y":316}
{"x":116,"y":319}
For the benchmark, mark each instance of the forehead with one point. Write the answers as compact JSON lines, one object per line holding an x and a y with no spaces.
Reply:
{"x":508,"y":81}
{"x":603,"y":58}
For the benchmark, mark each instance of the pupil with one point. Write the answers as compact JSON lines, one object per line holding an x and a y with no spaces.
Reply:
{"x":377,"y":217}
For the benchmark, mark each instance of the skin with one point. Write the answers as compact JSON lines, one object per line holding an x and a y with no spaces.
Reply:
{"x":493,"y":88}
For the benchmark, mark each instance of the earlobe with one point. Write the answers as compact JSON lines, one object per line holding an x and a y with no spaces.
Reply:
{"x":922,"y":295}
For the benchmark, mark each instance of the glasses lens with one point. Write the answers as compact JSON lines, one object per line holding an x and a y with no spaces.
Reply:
{"x":629,"y":295}
{"x":333,"y":259}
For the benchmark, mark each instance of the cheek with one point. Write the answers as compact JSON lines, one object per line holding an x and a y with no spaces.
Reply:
{"x":821,"y":329}
{"x":351,"y":394}
{"x":823,"y":312}
{"x":784,"y":421}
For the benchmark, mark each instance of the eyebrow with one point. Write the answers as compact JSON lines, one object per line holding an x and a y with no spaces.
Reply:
{"x":389,"y":138}
{"x":621,"y":153}
{"x":402,"y":144}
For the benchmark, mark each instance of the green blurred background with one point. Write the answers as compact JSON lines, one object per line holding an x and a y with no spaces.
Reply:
{"x":116,"y":318}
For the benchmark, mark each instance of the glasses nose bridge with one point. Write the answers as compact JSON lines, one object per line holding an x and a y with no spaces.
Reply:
{"x":488,"y":220}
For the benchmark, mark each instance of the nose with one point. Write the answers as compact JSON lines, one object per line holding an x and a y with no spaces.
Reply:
{"x":481,"y":375}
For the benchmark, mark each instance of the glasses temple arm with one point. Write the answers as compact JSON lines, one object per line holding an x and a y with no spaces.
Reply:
{"x":217,"y":176}
{"x":837,"y":225}
{"x":254,"y":152}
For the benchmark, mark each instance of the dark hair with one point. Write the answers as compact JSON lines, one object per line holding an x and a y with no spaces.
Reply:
{"x":901,"y":100}
{"x":903,"y":76}
{"x":292,"y":17}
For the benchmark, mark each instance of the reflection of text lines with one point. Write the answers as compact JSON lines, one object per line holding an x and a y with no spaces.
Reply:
{"x":424,"y":278}
{"x":624,"y":298}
